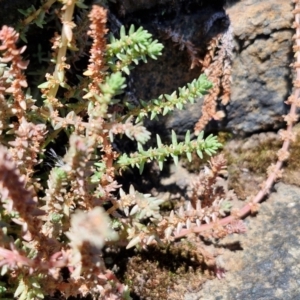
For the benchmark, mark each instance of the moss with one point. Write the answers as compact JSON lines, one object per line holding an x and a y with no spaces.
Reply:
{"x":294,"y":159}
{"x":292,"y":170}
{"x":157,"y":273}
{"x":224,"y":137}
{"x":247,"y":166}
{"x":257,"y":160}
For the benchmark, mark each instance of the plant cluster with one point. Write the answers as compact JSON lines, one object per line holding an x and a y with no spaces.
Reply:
{"x":64,"y":221}
{"x":55,"y":222}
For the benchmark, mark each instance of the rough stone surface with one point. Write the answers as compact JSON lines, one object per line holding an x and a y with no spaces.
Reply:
{"x":260,"y":75}
{"x":268,"y":267}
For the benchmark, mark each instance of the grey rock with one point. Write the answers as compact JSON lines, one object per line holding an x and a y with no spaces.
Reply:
{"x":172,"y":70}
{"x":268,"y":267}
{"x":261,"y":77}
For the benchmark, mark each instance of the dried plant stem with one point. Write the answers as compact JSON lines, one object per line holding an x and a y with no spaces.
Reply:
{"x":218,"y":72}
{"x":287,"y":136}
{"x":35,"y":14}
{"x":12,"y":55}
{"x":64,"y":43}
{"x":15,"y":197}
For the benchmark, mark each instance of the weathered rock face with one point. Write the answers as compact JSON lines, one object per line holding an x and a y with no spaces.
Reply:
{"x":261,"y":77}
{"x":268,"y":266}
{"x":260,"y":74}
